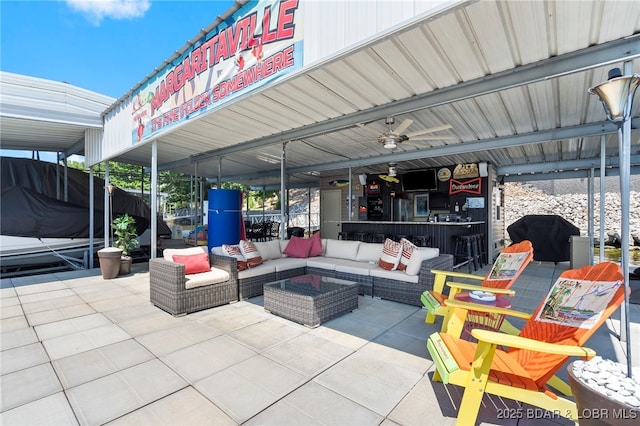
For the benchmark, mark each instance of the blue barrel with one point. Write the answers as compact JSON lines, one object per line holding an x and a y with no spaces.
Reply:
{"x":225,"y":217}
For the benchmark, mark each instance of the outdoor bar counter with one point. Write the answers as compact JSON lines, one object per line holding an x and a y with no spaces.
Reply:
{"x":442,"y":233}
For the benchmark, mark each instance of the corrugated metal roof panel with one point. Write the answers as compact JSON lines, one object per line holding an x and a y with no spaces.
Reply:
{"x":450,"y":60}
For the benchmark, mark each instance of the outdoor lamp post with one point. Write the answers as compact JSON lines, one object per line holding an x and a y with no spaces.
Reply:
{"x":616,"y":96}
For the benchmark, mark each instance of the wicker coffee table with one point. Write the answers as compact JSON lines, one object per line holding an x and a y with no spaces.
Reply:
{"x":310,"y":299}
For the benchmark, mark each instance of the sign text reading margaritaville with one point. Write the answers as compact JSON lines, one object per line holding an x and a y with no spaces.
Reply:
{"x":253,"y":49}
{"x":255,"y":73}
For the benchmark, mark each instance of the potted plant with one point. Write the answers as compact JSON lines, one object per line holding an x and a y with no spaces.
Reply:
{"x":125,"y":239}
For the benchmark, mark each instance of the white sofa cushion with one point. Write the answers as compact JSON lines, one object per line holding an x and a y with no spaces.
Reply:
{"x":419,"y":255}
{"x":262,"y":269}
{"x":342,"y":249}
{"x":168,"y":253}
{"x":288,"y":263}
{"x":215,"y":276}
{"x":217,"y":250}
{"x":393,"y":275}
{"x":322,"y":263}
{"x":358,"y":268}
{"x":369,"y":252}
{"x":269,"y":249}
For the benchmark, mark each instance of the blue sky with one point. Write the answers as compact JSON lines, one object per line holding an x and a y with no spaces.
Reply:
{"x":106,"y":46}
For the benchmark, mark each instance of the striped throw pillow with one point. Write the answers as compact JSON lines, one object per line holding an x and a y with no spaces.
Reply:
{"x":234,"y":251}
{"x":407,"y":250}
{"x":250,"y":253}
{"x":391,"y":252}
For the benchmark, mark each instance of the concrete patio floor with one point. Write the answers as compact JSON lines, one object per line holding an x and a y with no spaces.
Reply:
{"x":77,"y":349}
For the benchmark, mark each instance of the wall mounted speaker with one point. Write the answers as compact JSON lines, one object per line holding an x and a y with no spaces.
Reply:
{"x":483,"y":169}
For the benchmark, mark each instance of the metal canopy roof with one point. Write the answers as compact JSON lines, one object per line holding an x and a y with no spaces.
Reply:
{"x":44,"y":115}
{"x":511,"y":78}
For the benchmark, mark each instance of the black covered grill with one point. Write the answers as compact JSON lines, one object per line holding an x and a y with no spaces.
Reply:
{"x":549,"y":235}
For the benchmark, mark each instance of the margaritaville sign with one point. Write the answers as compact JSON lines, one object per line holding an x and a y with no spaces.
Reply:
{"x":259,"y":43}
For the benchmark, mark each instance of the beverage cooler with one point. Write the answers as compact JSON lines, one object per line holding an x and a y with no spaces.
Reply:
{"x":402,"y":210}
{"x":375,"y":208}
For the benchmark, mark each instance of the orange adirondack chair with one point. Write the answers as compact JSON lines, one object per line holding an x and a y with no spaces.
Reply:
{"x":507,"y":267}
{"x":577,"y":304}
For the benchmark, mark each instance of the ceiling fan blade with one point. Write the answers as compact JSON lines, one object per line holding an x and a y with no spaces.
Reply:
{"x":431,"y":130}
{"x":403,"y":126}
{"x":431,"y":138}
{"x":368,"y":129}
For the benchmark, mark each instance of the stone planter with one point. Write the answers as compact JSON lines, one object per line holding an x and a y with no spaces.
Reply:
{"x":125,"y":265}
{"x":596,"y":408}
{"x":109,"y":262}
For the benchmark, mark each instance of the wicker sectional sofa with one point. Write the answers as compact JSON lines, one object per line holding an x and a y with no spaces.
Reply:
{"x":351,"y":260}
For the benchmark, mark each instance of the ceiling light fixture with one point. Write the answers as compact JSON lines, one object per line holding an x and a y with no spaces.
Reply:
{"x":389,"y":143}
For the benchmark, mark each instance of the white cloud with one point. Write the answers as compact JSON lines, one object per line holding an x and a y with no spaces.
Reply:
{"x":97,"y":10}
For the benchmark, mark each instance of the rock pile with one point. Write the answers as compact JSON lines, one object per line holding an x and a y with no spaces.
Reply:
{"x":521,"y":200}
{"x":608,"y":378}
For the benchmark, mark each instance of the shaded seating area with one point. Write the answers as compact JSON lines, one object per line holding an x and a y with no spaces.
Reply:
{"x":575,"y":307}
{"x":213,"y":335}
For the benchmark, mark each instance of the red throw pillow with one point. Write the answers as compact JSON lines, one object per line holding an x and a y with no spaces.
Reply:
{"x":298,"y":247}
{"x":193,"y":263}
{"x":316,"y":245}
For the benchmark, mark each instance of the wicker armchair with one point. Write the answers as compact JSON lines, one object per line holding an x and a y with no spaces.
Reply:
{"x":168,"y":291}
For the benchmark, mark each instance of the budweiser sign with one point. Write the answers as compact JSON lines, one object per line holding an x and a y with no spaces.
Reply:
{"x":472,"y":186}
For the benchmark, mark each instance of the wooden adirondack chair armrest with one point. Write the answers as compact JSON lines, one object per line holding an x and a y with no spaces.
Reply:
{"x":511,"y":341}
{"x":481,"y":307}
{"x":472,"y":287}
{"x":440,"y":277}
{"x":457,"y":274}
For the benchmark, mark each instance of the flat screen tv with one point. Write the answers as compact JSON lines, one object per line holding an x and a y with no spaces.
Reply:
{"x":420,"y":180}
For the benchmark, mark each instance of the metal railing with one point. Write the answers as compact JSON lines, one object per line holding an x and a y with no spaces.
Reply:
{"x":310,"y":222}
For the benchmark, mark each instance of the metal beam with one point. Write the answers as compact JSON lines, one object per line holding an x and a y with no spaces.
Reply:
{"x":572,"y":174}
{"x":463,"y":148}
{"x":581,"y":60}
{"x":563,"y":165}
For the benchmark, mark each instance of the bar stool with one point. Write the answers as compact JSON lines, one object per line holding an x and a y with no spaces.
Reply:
{"x":422,"y":240}
{"x":466,"y":249}
{"x":359,"y":236}
{"x":483,"y":257}
{"x":377,"y":237}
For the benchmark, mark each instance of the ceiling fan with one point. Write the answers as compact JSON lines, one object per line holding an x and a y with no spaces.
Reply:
{"x":392,"y":137}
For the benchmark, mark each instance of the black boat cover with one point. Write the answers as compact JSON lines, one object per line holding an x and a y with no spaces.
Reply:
{"x":549,"y":235}
{"x":29,"y":207}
